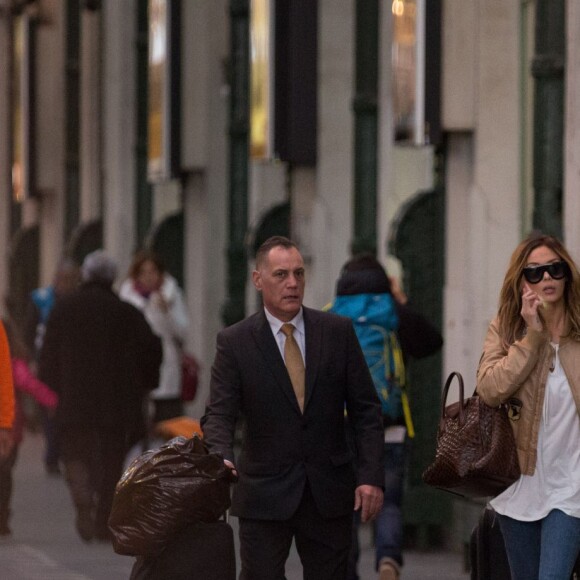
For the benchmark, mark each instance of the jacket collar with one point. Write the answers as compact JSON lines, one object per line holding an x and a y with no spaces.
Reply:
{"x":267,"y":345}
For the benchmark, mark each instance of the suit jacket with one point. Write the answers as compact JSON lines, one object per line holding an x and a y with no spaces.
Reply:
{"x":281,"y":447}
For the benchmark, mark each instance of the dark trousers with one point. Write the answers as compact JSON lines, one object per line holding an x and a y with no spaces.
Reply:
{"x":6,"y":480}
{"x":93,"y":461}
{"x":323,"y":544}
{"x":167,"y":409}
{"x":388,"y":525}
{"x":51,"y":455}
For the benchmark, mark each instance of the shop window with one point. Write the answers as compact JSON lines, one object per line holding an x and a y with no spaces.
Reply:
{"x":283,"y":82}
{"x":404,"y":58}
{"x":163,"y":90}
{"x":416,"y":66}
{"x":260,"y":80}
{"x":22,"y":97}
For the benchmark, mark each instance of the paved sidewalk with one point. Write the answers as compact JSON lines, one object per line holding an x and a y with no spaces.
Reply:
{"x":44,"y":544}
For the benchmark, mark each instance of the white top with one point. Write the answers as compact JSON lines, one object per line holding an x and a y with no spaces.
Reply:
{"x":170,"y":326}
{"x":299,"y":332}
{"x":556,"y":481}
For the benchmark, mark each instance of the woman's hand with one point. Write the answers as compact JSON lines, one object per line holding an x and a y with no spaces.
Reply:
{"x":530,"y":304}
{"x":397,"y":291}
{"x":160,"y":302}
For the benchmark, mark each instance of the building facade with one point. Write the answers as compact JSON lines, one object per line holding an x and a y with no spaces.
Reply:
{"x":200,"y":126}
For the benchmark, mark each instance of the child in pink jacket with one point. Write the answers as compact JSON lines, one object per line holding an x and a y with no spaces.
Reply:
{"x":24,"y":382}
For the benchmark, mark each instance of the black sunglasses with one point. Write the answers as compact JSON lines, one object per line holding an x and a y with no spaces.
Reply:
{"x":557,"y":271}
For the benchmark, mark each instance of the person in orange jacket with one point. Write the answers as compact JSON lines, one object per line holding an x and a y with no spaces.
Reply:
{"x":24,"y":382}
{"x":6,"y":396}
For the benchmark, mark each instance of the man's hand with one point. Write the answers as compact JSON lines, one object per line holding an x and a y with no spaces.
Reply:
{"x":232,"y":468}
{"x":6,"y":442}
{"x":369,"y":499}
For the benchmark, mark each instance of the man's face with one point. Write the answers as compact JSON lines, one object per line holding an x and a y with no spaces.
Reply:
{"x":280,"y":279}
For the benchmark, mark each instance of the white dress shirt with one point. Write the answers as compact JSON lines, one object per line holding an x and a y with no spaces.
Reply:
{"x":299,"y":333}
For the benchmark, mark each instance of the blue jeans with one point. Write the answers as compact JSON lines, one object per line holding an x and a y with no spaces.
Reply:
{"x":388,"y":525}
{"x":545,"y":549}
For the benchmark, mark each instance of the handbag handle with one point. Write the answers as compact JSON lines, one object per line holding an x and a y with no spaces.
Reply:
{"x":461,"y":396}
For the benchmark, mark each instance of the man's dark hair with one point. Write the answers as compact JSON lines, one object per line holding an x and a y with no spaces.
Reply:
{"x":269,"y":244}
{"x":364,"y":261}
{"x":363,"y":273}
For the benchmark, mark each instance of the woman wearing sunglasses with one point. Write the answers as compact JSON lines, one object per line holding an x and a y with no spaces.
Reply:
{"x":531,"y":361}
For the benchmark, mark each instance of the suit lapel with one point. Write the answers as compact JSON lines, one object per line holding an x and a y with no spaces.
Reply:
{"x":313,"y":331}
{"x":267,"y":345}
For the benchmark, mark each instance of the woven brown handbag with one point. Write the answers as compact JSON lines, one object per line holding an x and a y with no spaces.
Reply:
{"x":476,"y":450}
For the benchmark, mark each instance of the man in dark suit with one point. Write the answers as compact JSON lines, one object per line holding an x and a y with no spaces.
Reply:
{"x":296,"y":474}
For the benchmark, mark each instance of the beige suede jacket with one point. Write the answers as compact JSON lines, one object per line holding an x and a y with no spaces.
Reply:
{"x":518,"y":377}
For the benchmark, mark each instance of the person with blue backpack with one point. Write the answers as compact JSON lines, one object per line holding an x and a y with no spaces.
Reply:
{"x":389,"y":332}
{"x":41,"y":302}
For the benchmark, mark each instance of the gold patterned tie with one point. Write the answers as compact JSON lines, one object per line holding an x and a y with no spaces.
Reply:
{"x":294,"y":363}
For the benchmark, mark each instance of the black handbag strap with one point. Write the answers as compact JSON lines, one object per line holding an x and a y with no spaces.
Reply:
{"x":448,"y":382}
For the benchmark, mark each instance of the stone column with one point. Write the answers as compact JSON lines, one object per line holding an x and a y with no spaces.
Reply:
{"x":572,"y":133}
{"x":5,"y":129}
{"x":119,"y":131}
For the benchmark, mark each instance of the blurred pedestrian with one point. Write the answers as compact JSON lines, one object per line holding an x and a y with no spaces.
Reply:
{"x":101,"y":357}
{"x":156,"y":293}
{"x":389,"y":332}
{"x":24,"y":382}
{"x":531,"y":361}
{"x":290,"y":371}
{"x":6,"y":396}
{"x":66,"y":279}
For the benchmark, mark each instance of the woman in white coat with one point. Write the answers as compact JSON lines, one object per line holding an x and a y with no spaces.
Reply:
{"x":156,"y":293}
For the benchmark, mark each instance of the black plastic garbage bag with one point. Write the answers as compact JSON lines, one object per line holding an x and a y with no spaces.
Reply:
{"x":164,"y":490}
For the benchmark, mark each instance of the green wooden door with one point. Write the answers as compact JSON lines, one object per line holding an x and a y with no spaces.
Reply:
{"x":167,"y":240}
{"x":418,"y":241}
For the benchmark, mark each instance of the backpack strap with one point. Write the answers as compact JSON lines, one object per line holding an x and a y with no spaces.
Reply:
{"x":396,"y":366}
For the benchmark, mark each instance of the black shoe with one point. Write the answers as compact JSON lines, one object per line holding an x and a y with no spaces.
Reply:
{"x":85,"y":524}
{"x":52,"y":469}
{"x":4,"y":517}
{"x":103,"y":534}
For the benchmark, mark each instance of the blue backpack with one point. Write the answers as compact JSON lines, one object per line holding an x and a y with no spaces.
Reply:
{"x":375,"y":321}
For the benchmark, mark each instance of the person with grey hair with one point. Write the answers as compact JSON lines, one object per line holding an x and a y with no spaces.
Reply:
{"x":99,"y":267}
{"x":102,"y":359}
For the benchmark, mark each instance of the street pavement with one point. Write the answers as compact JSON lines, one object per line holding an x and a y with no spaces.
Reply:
{"x":44,"y":544}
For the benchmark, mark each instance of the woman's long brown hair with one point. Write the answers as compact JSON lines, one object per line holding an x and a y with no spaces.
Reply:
{"x":143,"y":256}
{"x":511,"y":323}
